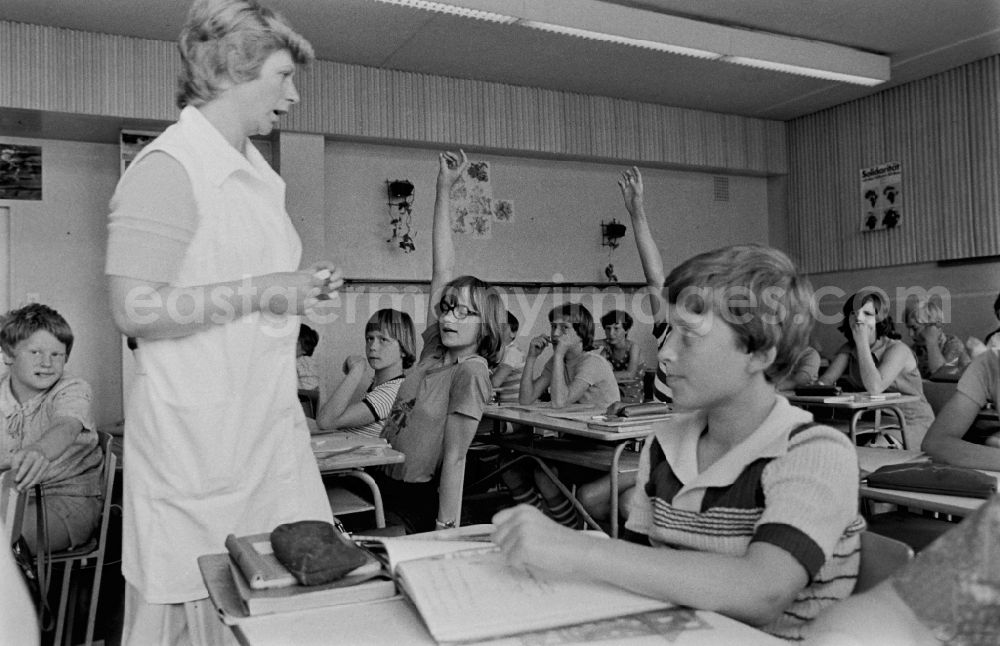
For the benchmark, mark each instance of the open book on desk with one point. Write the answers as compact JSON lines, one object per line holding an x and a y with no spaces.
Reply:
{"x":469,"y":593}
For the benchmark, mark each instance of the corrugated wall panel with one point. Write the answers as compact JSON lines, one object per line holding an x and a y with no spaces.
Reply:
{"x":61,"y":70}
{"x":943,"y":131}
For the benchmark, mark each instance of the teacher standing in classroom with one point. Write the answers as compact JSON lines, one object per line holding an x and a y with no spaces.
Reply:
{"x":203,"y":270}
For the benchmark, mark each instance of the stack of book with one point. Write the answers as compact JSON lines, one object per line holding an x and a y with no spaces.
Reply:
{"x":265,"y":586}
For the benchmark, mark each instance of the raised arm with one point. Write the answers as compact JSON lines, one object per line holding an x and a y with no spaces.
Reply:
{"x":631,"y":186}
{"x":150,"y":310}
{"x":835,"y":370}
{"x":451,"y":166}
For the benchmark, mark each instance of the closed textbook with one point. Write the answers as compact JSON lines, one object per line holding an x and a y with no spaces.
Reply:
{"x":266,"y":586}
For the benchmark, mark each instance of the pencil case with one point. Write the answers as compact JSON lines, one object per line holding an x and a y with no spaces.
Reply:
{"x":817,"y":390}
{"x":646,"y":408}
{"x":934,"y":478}
{"x":315,"y":552}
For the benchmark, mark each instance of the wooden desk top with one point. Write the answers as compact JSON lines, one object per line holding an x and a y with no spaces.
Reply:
{"x":570,"y":420}
{"x":338,"y":451}
{"x":848,"y":401}
{"x":394,"y":621}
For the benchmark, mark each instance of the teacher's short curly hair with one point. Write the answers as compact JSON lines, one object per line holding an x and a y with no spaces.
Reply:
{"x":227,"y":41}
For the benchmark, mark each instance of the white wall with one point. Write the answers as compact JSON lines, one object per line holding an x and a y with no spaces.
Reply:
{"x":559,"y":207}
{"x":57,"y":256}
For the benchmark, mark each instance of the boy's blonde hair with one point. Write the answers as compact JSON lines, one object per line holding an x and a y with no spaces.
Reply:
{"x":924,"y":312}
{"x":399,"y":326}
{"x":18,"y":325}
{"x":757,"y":291}
{"x":228,"y":41}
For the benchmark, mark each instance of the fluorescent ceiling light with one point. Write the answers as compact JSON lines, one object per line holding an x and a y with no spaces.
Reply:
{"x":596,"y":20}
{"x":454,"y":9}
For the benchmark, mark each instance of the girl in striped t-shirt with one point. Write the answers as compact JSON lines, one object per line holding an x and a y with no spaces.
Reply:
{"x":390,"y":348}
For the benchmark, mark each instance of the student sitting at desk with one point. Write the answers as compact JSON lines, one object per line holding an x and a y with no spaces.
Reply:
{"x":750,"y":508}
{"x":938,"y":354}
{"x":506,"y":377}
{"x":47,"y":433}
{"x":621,"y":352}
{"x":574,"y":374}
{"x":390,"y":348}
{"x":804,"y":370}
{"x":954,"y":437}
{"x":441,"y":400}
{"x":873,"y":362}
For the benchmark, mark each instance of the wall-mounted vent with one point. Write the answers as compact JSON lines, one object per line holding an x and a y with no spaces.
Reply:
{"x":720,"y":189}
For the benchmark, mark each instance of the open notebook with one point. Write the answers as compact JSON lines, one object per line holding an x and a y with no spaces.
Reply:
{"x":465,"y":591}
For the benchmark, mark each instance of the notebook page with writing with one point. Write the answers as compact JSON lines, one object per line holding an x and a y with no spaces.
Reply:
{"x":472,"y":595}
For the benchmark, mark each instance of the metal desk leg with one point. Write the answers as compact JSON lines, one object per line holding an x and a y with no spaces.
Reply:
{"x":888,"y":408}
{"x":614,"y":488}
{"x":376,"y":494}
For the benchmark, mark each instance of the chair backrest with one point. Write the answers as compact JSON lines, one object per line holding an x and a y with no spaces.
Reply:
{"x":938,"y":393}
{"x":880,"y":557}
{"x":11,"y":507}
{"x":107,"y":482}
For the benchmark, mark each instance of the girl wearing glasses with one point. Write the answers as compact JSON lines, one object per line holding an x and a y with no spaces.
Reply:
{"x":441,"y":400}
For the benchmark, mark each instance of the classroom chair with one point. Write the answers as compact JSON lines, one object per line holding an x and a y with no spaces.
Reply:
{"x":895,"y":423}
{"x":79,"y":556}
{"x":11,"y":507}
{"x":880,"y":557}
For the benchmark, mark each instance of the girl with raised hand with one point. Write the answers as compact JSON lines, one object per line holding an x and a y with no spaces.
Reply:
{"x":441,"y":401}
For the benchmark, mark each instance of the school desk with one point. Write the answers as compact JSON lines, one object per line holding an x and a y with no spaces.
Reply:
{"x":392,"y":622}
{"x":954,"y":505}
{"x":827,"y":407}
{"x":341,"y":455}
{"x":583,"y":446}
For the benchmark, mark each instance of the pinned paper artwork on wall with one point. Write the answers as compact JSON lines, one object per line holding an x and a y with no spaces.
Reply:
{"x":881,"y":196}
{"x":20,"y":172}
{"x":503,"y":211}
{"x":472,"y":202}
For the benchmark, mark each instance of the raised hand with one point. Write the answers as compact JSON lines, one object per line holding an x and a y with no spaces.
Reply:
{"x":630,"y":184}
{"x":450,"y":167}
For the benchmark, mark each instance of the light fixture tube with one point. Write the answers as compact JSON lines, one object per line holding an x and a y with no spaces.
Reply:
{"x":612,"y":23}
{"x":455,"y":10}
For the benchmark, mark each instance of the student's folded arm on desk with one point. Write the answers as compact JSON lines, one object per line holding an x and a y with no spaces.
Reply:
{"x":701,"y":580}
{"x":338,"y":411}
{"x":944,"y":442}
{"x":31,"y":462}
{"x":151,"y":310}
{"x":876,"y":378}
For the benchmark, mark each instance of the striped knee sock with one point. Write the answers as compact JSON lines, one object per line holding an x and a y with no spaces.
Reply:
{"x":565,"y":514}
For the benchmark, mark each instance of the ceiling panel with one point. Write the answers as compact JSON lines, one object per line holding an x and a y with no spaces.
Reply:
{"x":922,"y":37}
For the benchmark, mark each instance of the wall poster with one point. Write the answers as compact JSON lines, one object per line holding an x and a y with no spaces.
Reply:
{"x":20,"y":172}
{"x":881,"y":196}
